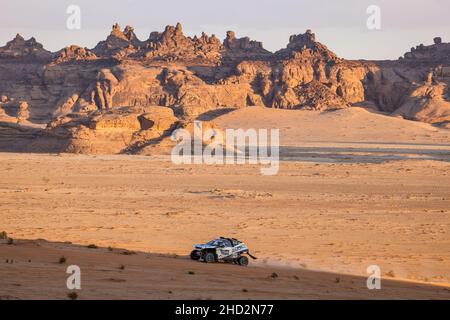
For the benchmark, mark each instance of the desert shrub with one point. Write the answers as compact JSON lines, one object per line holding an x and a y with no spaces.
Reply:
{"x":274,"y":275}
{"x":390,"y":274}
{"x":72,"y":295}
{"x":128,"y":253}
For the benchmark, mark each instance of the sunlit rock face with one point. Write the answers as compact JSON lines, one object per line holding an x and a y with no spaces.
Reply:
{"x":192,"y":76}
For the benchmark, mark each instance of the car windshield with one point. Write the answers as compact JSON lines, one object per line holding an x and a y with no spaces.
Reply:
{"x":215,"y":242}
{"x":236,"y":242}
{"x":220,"y":243}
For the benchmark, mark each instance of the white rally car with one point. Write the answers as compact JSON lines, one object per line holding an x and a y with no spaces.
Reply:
{"x":228,"y":250}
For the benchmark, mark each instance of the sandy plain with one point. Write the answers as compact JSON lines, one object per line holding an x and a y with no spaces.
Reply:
{"x":355,"y":188}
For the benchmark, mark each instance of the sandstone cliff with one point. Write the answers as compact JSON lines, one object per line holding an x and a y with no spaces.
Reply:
{"x":191,"y":76}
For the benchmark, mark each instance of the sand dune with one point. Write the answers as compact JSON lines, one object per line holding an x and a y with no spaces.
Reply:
{"x":33,"y":271}
{"x":344,"y":199}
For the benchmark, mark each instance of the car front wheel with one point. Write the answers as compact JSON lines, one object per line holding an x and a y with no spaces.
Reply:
{"x":243,"y":261}
{"x":209,"y":257}
{"x":195,"y":255}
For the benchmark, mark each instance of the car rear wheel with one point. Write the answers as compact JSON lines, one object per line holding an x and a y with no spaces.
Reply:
{"x":195,"y":255}
{"x":209,"y":257}
{"x":243,"y":261}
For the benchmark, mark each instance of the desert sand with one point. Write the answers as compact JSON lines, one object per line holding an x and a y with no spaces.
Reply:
{"x":122,"y":274}
{"x":355,"y":188}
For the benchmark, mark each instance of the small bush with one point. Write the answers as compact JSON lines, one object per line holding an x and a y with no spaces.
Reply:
{"x":92,"y":246}
{"x":274,"y":275}
{"x":10,"y":241}
{"x":128,"y":253}
{"x":110,"y":249}
{"x":191,"y":272}
{"x":3,"y":235}
{"x":72,"y":296}
{"x":62,"y":260}
{"x":390,"y":274}
{"x":122,"y":267}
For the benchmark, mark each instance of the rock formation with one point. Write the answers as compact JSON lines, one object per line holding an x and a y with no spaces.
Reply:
{"x":23,"y":113}
{"x":438,"y":52}
{"x":172,"y":45}
{"x":21,"y":48}
{"x":118,"y":44}
{"x":74,"y":53}
{"x":118,"y":85}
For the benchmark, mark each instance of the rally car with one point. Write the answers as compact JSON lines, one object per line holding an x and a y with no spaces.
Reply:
{"x":228,"y":250}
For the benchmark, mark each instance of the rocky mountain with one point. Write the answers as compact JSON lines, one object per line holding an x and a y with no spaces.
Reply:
{"x":123,"y":77}
{"x":19,"y":48}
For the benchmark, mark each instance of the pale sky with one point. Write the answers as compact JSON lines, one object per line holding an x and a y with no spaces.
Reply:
{"x":339,"y":24}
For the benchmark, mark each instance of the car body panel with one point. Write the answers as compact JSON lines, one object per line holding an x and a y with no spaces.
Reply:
{"x":224,"y":248}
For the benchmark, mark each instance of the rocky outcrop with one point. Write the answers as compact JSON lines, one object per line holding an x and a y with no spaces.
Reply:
{"x":119,"y":44}
{"x":243,"y":48}
{"x":23,"y":113}
{"x":305,"y":45}
{"x":95,"y":94}
{"x":122,"y":130}
{"x":172,"y":45}
{"x":305,"y":66}
{"x":74,"y":53}
{"x":430,"y":101}
{"x":13,"y":111}
{"x":24,"y":49}
{"x":438,"y":52}
{"x":158,"y":118}
{"x":317,"y":96}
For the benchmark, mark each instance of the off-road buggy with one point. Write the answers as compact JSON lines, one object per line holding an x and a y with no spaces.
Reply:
{"x":228,"y":250}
